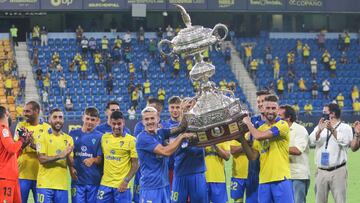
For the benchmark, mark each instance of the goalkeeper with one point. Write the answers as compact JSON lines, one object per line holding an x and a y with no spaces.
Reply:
{"x":9,"y":149}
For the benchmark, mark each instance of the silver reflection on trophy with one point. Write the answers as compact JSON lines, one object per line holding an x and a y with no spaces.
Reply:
{"x":216,"y":115}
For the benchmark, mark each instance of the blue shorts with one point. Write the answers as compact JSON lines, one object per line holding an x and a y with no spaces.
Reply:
{"x":83,"y":193}
{"x":25,"y":187}
{"x":276,"y":192}
{"x":193,"y":186}
{"x":217,"y":192}
{"x":51,"y":196}
{"x":161,"y":195}
{"x":237,"y":188}
{"x":109,"y":194}
{"x":136,"y":187}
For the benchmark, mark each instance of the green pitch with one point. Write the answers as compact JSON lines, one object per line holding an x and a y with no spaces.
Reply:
{"x":353,"y":179}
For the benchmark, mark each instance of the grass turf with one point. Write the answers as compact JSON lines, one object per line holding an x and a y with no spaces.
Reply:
{"x":353,"y":165}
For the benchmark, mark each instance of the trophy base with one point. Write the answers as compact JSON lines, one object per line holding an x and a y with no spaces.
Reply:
{"x":217,"y":134}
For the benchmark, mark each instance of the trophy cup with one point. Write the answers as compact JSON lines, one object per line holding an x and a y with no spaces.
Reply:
{"x":217,"y":115}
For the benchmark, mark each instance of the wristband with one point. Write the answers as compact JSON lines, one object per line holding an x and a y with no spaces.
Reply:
{"x":127,"y":180}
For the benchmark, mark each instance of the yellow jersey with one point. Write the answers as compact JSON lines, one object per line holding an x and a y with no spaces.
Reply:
{"x":215,"y":165}
{"x":240,"y":163}
{"x":28,"y":161}
{"x":118,"y":152}
{"x":53,"y":175}
{"x":274,"y":152}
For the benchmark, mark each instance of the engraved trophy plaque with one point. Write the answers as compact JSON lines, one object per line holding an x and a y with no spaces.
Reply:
{"x":217,"y":115}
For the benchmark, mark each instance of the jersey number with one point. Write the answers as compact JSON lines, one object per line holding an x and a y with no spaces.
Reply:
{"x":234,"y":185}
{"x":7,"y":191}
{"x":40,"y":197}
{"x":100,"y":194}
{"x":174,"y":196}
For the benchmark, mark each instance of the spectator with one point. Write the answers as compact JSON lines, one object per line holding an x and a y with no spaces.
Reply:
{"x":321,"y":40}
{"x":36,"y":35}
{"x":45,"y":99}
{"x":14,"y":35}
{"x":223,"y":84}
{"x":248,"y":54}
{"x":69,"y":106}
{"x":299,"y":154}
{"x":176,"y":64}
{"x":301,"y":83}
{"x":356,"y":107}
{"x":299,"y":47}
{"x":227,"y":54}
{"x":132,"y":70}
{"x":160,"y":33}
{"x":280,"y":86}
{"x":296,"y":108}
{"x":55,"y":59}
{"x":253,"y":69}
{"x":162,"y":64}
{"x":46,"y":82}
{"x":59,"y":68}
{"x":314,"y":89}
{"x":291,"y":58}
{"x":39,"y":73}
{"x":108,"y":63}
{"x":84,"y":46}
{"x":144,"y":68}
{"x":83,"y":70}
{"x":308,"y":108}
{"x":35,"y":57}
{"x":147,"y":88}
{"x":325,"y":59}
{"x":344,"y":58}
{"x":92,"y":46}
{"x":331,"y":138}
{"x":22,"y":83}
{"x":306,"y":53}
{"x":101,"y":71}
{"x":340,"y":100}
{"x":109,"y":85}
{"x":79,"y":34}
{"x":169,"y":32}
{"x":140,"y":92}
{"x":231,"y":86}
{"x":44,"y":36}
{"x":290,"y":82}
{"x":332,"y":65}
{"x":340,"y":43}
{"x":132,"y":113}
{"x":8,"y":86}
{"x":134,"y":98}
{"x":104,"y":45}
{"x":326,"y":88}
{"x":62,"y":85}
{"x":313,"y":67}
{"x":354,"y":93}
{"x":141,"y":35}
{"x":268,"y":54}
{"x":127,"y":39}
{"x":346,"y":41}
{"x":117,"y":43}
{"x":276,"y":67}
{"x":161,"y":94}
{"x":97,"y":61}
{"x":152,"y":48}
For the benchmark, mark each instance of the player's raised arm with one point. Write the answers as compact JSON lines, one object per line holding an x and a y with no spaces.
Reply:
{"x":171,"y":148}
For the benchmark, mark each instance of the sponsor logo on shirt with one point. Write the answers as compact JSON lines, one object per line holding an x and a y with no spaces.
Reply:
{"x":5,"y":133}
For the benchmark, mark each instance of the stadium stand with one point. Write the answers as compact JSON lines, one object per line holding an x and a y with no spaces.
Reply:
{"x":92,"y":91}
{"x":347,"y":75}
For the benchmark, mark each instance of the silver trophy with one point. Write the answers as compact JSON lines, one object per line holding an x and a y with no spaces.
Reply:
{"x":217,"y":115}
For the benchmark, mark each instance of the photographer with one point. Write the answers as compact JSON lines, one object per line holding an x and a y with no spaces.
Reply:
{"x":332,"y":137}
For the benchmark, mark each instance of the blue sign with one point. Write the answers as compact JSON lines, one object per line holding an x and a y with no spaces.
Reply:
{"x":19,"y":5}
{"x":267,"y":5}
{"x":227,"y":4}
{"x":104,"y":4}
{"x":305,"y":5}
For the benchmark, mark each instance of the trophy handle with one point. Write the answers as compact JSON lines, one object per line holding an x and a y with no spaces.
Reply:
{"x":160,"y":45}
{"x":218,"y":27}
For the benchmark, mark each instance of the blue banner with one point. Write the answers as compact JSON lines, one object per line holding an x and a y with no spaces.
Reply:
{"x":19,"y":5}
{"x":305,"y":5}
{"x":227,"y":4}
{"x":104,"y":4}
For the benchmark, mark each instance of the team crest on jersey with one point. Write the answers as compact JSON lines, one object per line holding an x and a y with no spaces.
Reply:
{"x":112,"y":151}
{"x":5,"y":133}
{"x":58,"y":151}
{"x":93,"y":140}
{"x":76,"y":138}
{"x":121,"y":143}
{"x":66,"y":142}
{"x":83,"y":148}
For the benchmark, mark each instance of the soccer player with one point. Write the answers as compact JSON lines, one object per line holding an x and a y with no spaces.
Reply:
{"x":271,"y":145}
{"x":215,"y":173}
{"x":28,"y":161}
{"x":154,"y":183}
{"x":120,"y":162}
{"x":54,"y":150}
{"x":240,"y":165}
{"x":189,"y":171}
{"x":86,"y":171}
{"x":139,"y":127}
{"x":10,"y":189}
{"x":111,"y":106}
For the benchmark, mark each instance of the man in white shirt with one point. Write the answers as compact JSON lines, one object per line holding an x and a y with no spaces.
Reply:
{"x":326,"y":88}
{"x":299,"y":153}
{"x":332,"y":139}
{"x":313,"y":65}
